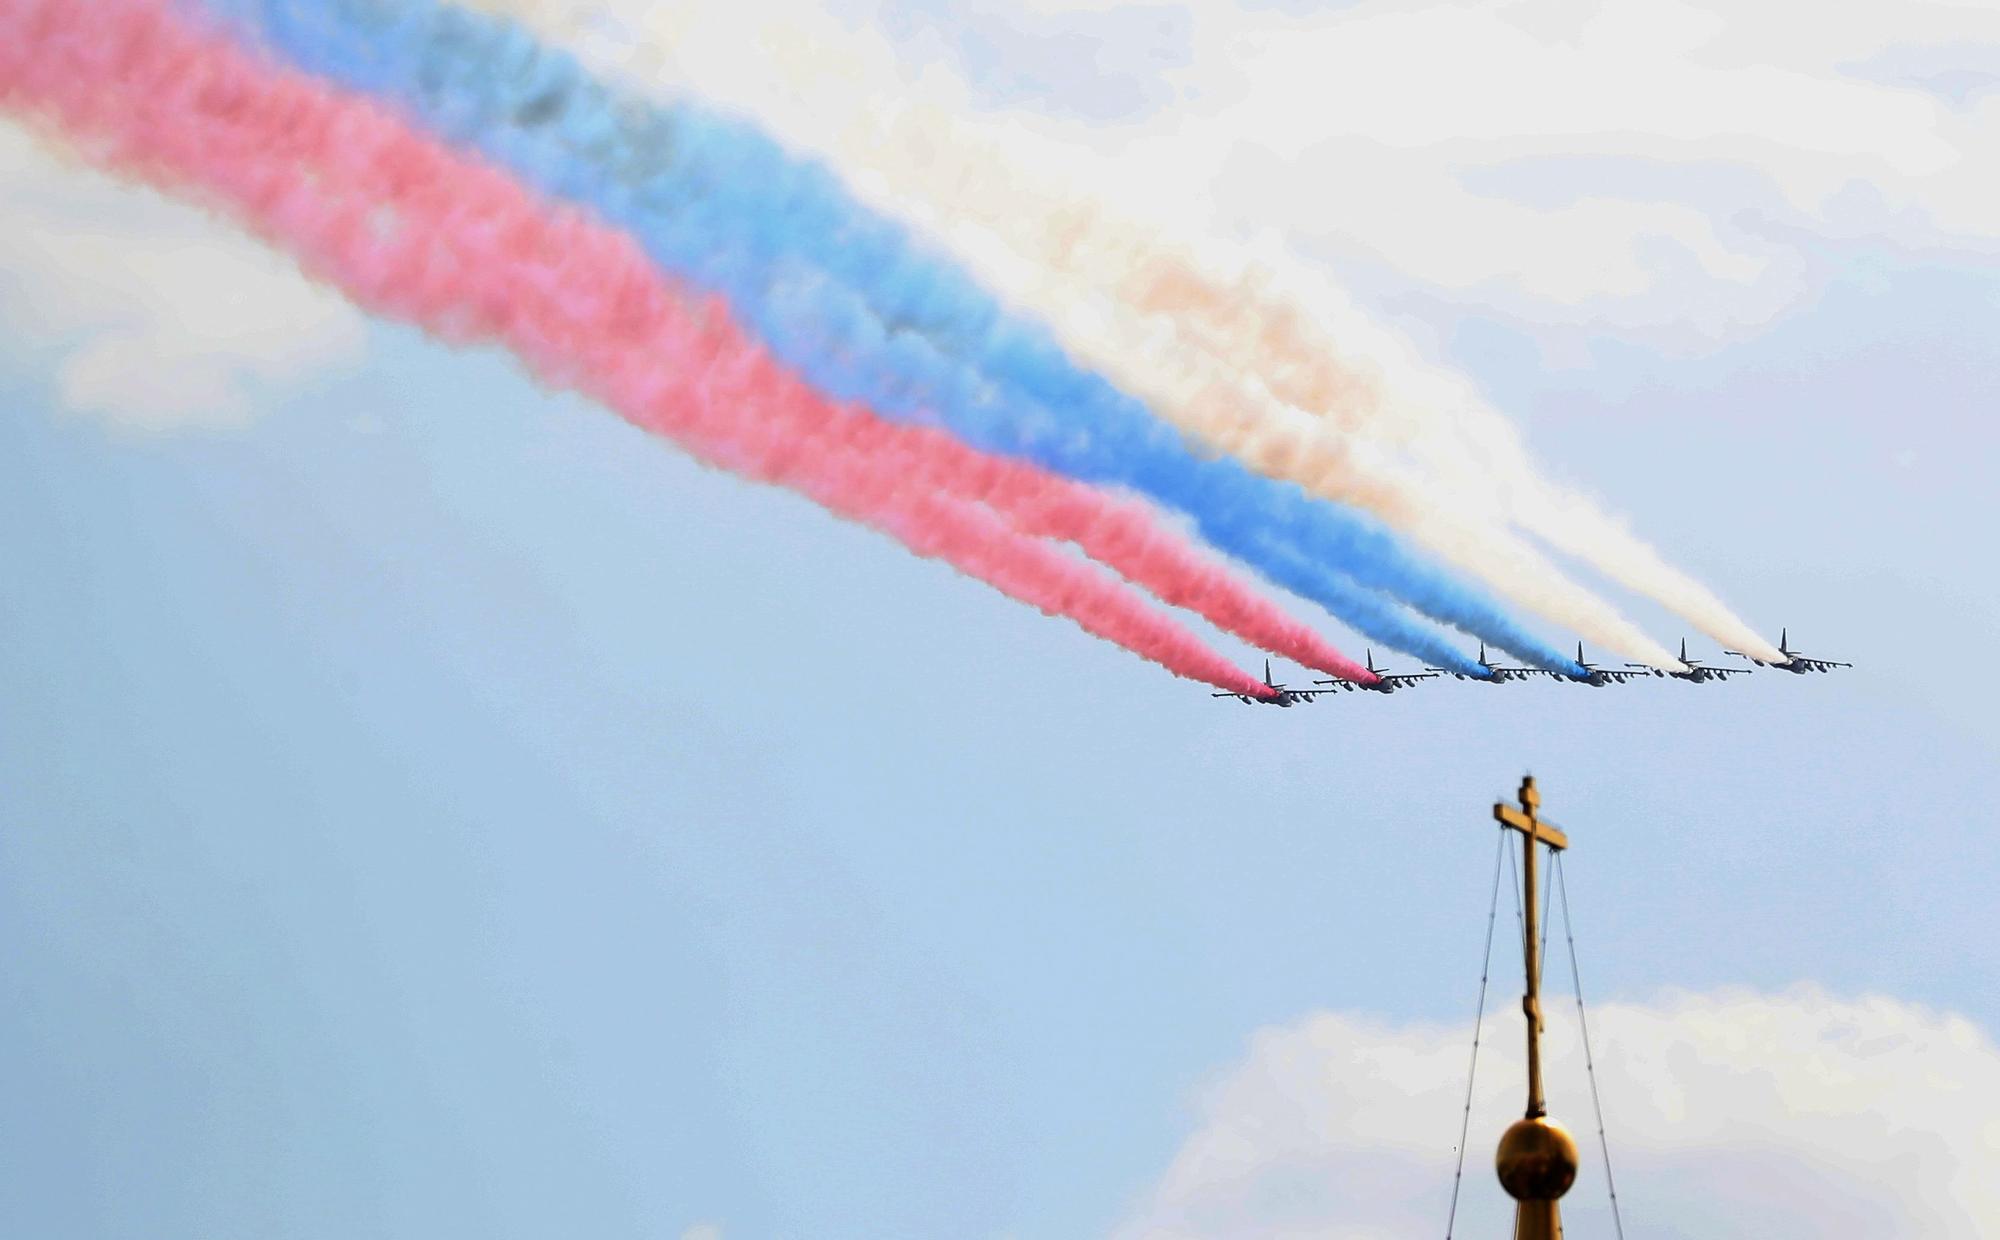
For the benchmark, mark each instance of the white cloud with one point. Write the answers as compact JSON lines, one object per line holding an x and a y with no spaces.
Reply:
{"x":702,"y":1231}
{"x":155,"y":315}
{"x":1668,"y":168}
{"x":1790,"y":1115}
{"x":1673,"y":171}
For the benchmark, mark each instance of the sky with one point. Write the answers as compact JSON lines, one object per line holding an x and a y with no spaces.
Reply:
{"x":429,"y":806}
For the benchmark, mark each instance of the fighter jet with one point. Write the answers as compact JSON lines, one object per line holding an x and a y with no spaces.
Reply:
{"x":1494,"y":675}
{"x":1696,"y":673}
{"x":1794,"y":661}
{"x":1385,"y":682}
{"x":1279,"y":695}
{"x":1595,"y":675}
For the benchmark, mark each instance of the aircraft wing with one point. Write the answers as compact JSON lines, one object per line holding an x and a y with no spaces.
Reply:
{"x":1408,"y":678}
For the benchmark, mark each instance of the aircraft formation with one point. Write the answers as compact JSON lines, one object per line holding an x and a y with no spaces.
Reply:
{"x":1694,"y":672}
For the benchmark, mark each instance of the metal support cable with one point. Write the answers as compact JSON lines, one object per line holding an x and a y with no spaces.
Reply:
{"x":1478,"y":1018}
{"x":1589,"y":1064}
{"x":1521,"y":918}
{"x":1514,"y":889}
{"x":1542,"y":957}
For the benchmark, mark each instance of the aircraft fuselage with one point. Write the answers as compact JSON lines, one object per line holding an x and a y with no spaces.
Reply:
{"x":1697,"y":674}
{"x":1282,"y":697}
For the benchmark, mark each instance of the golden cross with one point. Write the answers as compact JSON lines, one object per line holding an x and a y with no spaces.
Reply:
{"x":1533,"y":831}
{"x":1524,"y":819}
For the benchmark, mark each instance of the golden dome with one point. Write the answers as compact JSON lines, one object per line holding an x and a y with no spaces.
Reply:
{"x":1536,"y":1160}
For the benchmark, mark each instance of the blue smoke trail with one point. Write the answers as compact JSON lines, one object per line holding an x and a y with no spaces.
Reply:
{"x":1368,"y":613}
{"x":717,"y":202}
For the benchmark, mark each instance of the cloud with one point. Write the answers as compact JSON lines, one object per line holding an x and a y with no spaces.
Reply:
{"x":154,"y":315}
{"x":1646,"y":164}
{"x":1676,"y":171}
{"x":703,"y":1231}
{"x":1096,"y":64}
{"x":1797,"y":1114}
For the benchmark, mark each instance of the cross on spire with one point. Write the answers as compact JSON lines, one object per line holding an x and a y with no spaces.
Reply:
{"x":1533,"y":831}
{"x":1537,"y":1158}
{"x":1525,"y":819}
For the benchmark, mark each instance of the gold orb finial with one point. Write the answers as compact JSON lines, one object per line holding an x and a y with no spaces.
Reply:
{"x":1537,"y":1160}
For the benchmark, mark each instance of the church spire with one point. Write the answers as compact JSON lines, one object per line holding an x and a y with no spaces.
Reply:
{"x":1537,"y":1159}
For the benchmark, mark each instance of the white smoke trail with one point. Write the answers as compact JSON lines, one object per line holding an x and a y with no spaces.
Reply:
{"x":1236,"y":413}
{"x":1231,"y":348}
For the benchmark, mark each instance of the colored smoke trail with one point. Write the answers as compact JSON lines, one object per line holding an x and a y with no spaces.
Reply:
{"x":1319,"y":353}
{"x":1238,"y":414}
{"x":1155,"y":305}
{"x":807,"y":268}
{"x":1174,"y":299}
{"x":1125,"y":538}
{"x":409,"y":229}
{"x":1121,"y":535}
{"x":1368,"y":613}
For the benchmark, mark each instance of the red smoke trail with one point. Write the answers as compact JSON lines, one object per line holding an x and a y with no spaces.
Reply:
{"x":1126,"y":537}
{"x":1122,"y":535}
{"x":407,"y":228}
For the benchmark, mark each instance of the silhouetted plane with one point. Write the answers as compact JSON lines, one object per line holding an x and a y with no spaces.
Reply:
{"x":1795,"y":662}
{"x":1696,"y":672}
{"x":1595,"y":675}
{"x":1385,"y":682}
{"x":1494,"y":675}
{"x":1279,"y":695}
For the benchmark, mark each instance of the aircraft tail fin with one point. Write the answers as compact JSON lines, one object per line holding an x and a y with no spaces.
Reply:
{"x":1784,"y":641}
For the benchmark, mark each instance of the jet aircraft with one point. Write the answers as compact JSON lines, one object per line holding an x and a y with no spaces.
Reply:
{"x":1494,"y":675}
{"x":1794,"y":661}
{"x":1595,"y":675}
{"x":1279,"y":695}
{"x":1385,"y":682}
{"x":1696,"y":673}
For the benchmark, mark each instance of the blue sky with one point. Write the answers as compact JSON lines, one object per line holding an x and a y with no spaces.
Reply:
{"x":430,"y":807}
